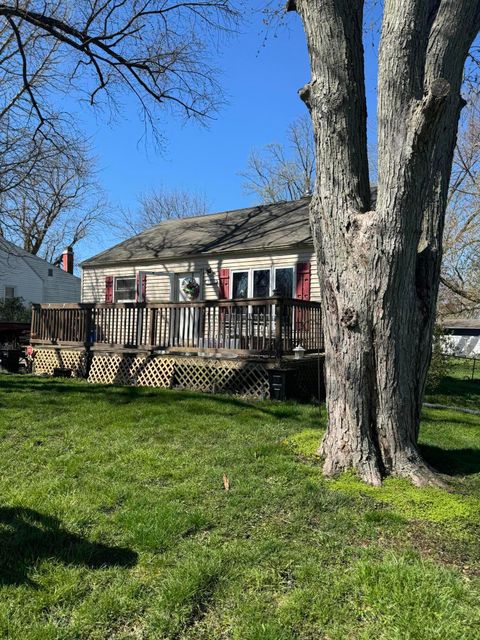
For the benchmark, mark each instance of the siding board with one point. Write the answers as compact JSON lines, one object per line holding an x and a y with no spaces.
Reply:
{"x":158,"y":287}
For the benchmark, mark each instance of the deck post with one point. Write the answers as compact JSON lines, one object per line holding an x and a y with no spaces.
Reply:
{"x":89,"y":328}
{"x":278,"y":328}
{"x":139,"y":326}
{"x":152,"y":330}
{"x":34,"y":321}
{"x":89,"y":337}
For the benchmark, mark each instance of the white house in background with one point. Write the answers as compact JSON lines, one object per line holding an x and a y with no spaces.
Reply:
{"x":463,"y":336}
{"x":23,"y":275}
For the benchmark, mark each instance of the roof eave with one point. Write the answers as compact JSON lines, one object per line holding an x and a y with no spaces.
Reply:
{"x":190,"y":256}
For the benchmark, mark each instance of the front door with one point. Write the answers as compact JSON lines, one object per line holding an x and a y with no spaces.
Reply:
{"x":186,"y":319}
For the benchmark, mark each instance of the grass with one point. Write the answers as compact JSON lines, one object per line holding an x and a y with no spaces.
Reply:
{"x":457,"y":388}
{"x":115,"y":523}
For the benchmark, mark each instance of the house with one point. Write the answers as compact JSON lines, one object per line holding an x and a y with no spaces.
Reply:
{"x":23,"y":275}
{"x":463,"y":336}
{"x":246,"y":253}
{"x":216,"y":303}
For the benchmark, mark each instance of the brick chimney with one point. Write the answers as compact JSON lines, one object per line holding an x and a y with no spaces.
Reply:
{"x":67,"y":260}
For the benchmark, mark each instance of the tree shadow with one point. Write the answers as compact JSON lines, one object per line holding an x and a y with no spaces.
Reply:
{"x":459,"y":387}
{"x":452,"y":462}
{"x":51,"y":390}
{"x":28,"y":537}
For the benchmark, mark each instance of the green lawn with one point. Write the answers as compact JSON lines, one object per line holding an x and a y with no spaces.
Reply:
{"x":115,"y":523}
{"x":458,"y":388}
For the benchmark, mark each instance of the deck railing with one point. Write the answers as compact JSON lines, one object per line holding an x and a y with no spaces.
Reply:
{"x":269,"y":326}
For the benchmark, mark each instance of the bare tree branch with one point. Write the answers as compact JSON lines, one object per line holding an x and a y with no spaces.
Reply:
{"x":279,"y":173}
{"x":49,"y":197}
{"x":158,"y":205}
{"x":153,"y":48}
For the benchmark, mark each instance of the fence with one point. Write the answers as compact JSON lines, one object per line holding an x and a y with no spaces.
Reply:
{"x":464,"y":367}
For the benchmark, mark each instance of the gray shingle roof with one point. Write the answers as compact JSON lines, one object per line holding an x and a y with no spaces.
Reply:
{"x":461,"y":323}
{"x":281,"y":225}
{"x":37,"y":264}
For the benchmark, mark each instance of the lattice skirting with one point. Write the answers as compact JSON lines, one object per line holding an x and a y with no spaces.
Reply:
{"x":131,"y":370}
{"x":222,"y":376}
{"x":212,"y":375}
{"x":46,"y":360}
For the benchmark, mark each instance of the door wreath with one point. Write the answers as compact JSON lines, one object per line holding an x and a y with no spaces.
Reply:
{"x":190,"y":288}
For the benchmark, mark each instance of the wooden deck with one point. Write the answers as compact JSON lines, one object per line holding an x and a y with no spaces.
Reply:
{"x":270,"y":327}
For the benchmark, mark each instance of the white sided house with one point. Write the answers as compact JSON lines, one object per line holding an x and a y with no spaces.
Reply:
{"x":246,"y":253}
{"x":224,"y":302}
{"x":23,"y":275}
{"x":462,"y":336}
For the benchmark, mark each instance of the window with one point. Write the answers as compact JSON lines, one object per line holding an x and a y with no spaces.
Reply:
{"x":9,"y":293}
{"x":261,"y":283}
{"x":240,"y":284}
{"x":50,"y":273}
{"x":284,"y":282}
{"x":125,"y":289}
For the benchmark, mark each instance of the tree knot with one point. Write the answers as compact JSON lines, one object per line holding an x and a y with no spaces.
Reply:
{"x":426,"y":112}
{"x":440,"y":88}
{"x":305,"y":95}
{"x":434,"y":99}
{"x":349,"y":318}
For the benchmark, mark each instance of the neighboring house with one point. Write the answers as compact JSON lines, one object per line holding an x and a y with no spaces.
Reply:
{"x":463,"y":336}
{"x":23,"y":275}
{"x":235,"y":254}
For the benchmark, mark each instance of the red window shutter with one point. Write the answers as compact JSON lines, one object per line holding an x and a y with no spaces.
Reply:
{"x":303,"y":281}
{"x":109,"y":289}
{"x":224,"y":283}
{"x":144,"y":286}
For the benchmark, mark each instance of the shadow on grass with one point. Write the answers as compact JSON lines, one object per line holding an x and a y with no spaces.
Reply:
{"x":27,"y":537}
{"x":452,"y":462}
{"x":119,"y":395}
{"x":450,"y":387}
{"x":452,"y":424}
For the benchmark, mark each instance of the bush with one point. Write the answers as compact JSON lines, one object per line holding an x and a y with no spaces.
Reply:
{"x":439,"y":363}
{"x":14,"y":310}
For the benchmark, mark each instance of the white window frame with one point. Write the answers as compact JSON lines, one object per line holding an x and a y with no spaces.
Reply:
{"x":252,"y":282}
{"x":9,"y":286}
{"x":232,"y":271}
{"x":294,"y":277}
{"x":273,"y":280}
{"x":129,"y":277}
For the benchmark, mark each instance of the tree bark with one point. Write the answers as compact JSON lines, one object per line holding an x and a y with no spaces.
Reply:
{"x":379,"y":262}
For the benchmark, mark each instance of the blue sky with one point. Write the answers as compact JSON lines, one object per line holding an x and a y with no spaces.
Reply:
{"x":261,"y":71}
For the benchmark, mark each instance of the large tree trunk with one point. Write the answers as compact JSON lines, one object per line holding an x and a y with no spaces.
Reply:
{"x":379,"y":258}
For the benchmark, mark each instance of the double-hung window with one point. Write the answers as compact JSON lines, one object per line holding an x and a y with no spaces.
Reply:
{"x":9,"y":292}
{"x":125,"y":289}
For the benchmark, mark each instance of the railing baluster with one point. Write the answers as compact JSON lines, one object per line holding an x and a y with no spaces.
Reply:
{"x":181,"y":327}
{"x":226,"y":313}
{"x":161,"y":331}
{"x":206,"y":338}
